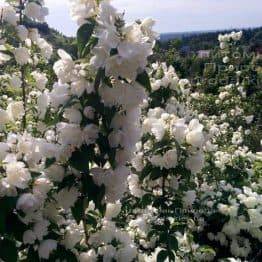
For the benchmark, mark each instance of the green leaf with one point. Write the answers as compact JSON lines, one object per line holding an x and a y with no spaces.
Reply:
{"x":84,"y":34}
{"x":156,"y":173}
{"x":14,"y":226}
{"x":91,"y":44}
{"x":80,"y":158}
{"x":163,"y":238}
{"x":91,"y":220}
{"x":78,"y":211}
{"x":7,"y":205}
{"x":162,"y":256}
{"x":8,"y":251}
{"x":146,"y":200}
{"x":173,"y":243}
{"x":94,"y":192}
{"x":68,"y":182}
{"x":145,"y":172}
{"x":152,"y":233}
{"x":49,"y":162}
{"x":32,"y":256}
{"x":144,"y":80}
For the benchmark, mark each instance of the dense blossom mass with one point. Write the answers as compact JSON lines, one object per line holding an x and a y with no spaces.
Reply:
{"x":104,"y":157}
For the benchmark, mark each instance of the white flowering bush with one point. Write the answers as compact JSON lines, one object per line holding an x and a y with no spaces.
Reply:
{"x":164,"y":180}
{"x":106,"y":158}
{"x":230,"y":179}
{"x":65,"y":169}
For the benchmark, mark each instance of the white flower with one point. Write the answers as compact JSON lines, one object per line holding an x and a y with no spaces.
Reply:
{"x":55,"y":172}
{"x":15,"y":110}
{"x":189,"y":198}
{"x":42,"y":186}
{"x":4,"y":58}
{"x":17,"y":175}
{"x":64,"y":68}
{"x":4,"y":117}
{"x":126,"y":254}
{"x":237,"y":138}
{"x":195,"y":163}
{"x":29,"y":237}
{"x":81,"y":85}
{"x":69,"y":134}
{"x":112,"y":210}
{"x":157,"y":160}
{"x":195,"y":135}
{"x":115,"y":182}
{"x":158,"y":129}
{"x":73,"y":115}
{"x":40,"y":229}
{"x":90,"y":133}
{"x":249,"y":119}
{"x":46,"y":248}
{"x":33,"y":34}
{"x":9,"y":15}
{"x":170,"y":159}
{"x":35,"y":11}
{"x":22,"y":32}
{"x":134,"y":187}
{"x":40,"y":80}
{"x":138,"y":161}
{"x":59,"y":95}
{"x":89,"y":256}
{"x":74,"y":234}
{"x":22,"y":55}
{"x":28,"y":203}
{"x":15,"y":81}
{"x":226,"y":59}
{"x":67,"y":197}
{"x":4,"y":148}
{"x":43,"y":102}
{"x":46,"y":48}
{"x":236,"y":36}
{"x":80,"y":10}
{"x":179,"y":130}
{"x":108,"y":252}
{"x":115,"y":138}
{"x":240,"y":247}
{"x":89,"y":112}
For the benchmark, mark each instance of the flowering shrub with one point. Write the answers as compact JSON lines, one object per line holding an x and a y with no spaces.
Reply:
{"x":106,"y":158}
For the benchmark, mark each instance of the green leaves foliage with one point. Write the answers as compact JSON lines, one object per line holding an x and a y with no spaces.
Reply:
{"x":8,"y":251}
{"x":144,"y":80}
{"x":7,"y":205}
{"x":84,"y":40}
{"x":162,"y":256}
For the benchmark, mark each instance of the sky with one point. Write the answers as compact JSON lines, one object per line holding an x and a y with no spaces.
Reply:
{"x":172,"y":15}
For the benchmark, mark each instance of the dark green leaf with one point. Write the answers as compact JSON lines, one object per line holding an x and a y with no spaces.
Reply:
{"x":162,"y":256}
{"x":87,"y":49}
{"x":7,"y":205}
{"x":173,"y":243}
{"x":144,"y":80}
{"x":84,"y":34}
{"x":91,"y":220}
{"x":78,"y":210}
{"x":80,"y":158}
{"x":146,"y":200}
{"x":8,"y":251}
{"x":49,"y":162}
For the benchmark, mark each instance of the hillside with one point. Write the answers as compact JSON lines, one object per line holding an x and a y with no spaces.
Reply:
{"x":206,"y":40}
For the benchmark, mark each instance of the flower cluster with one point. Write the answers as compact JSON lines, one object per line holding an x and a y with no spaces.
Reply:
{"x":104,"y":158}
{"x":67,"y":165}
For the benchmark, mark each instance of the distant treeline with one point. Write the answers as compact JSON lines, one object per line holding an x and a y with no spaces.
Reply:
{"x":207,"y":40}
